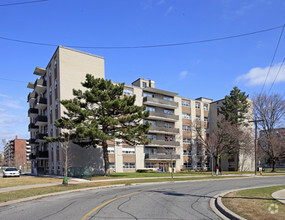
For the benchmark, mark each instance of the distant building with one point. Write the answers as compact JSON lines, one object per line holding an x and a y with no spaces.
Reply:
{"x":173,"y":139}
{"x":1,"y":158}
{"x":16,"y":153}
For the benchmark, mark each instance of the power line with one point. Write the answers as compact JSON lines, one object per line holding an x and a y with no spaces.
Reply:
{"x":273,"y":58}
{"x":12,"y":80}
{"x":146,"y":46}
{"x":22,"y":3}
{"x":276,"y":75}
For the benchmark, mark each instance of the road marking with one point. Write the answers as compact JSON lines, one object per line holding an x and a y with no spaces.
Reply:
{"x":105,"y":203}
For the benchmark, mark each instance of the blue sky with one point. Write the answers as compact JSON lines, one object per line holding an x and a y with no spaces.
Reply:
{"x":209,"y":70}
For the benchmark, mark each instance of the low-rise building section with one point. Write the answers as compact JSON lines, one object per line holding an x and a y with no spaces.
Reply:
{"x":17,"y":153}
{"x":173,"y":139}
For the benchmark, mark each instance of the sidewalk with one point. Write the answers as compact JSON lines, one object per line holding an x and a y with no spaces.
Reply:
{"x":78,"y":181}
{"x":279,"y":195}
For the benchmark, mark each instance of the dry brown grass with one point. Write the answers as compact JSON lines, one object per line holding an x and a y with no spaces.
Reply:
{"x":23,"y":181}
{"x":254,"y":203}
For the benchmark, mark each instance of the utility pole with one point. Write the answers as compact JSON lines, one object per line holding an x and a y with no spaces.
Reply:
{"x":255,"y":139}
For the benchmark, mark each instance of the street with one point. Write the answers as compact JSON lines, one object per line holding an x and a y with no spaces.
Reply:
{"x":184,"y":200}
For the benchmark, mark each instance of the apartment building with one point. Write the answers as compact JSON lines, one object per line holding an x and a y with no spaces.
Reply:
{"x":173,"y":139}
{"x":17,"y":152}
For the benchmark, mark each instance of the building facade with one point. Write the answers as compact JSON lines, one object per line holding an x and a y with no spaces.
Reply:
{"x":16,"y":153}
{"x":173,"y":139}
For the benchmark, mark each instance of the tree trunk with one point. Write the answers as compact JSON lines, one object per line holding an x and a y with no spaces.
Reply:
{"x":273,"y":165}
{"x":106,"y":158}
{"x":212,"y":167}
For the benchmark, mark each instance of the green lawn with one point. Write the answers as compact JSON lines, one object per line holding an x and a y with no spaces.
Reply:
{"x":255,"y":203}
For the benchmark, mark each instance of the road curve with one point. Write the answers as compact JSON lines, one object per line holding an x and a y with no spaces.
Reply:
{"x":180,"y":200}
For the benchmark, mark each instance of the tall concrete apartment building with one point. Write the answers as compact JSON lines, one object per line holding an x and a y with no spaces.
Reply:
{"x":173,"y":139}
{"x":17,"y":152}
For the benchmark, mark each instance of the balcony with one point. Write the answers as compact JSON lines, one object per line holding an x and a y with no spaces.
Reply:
{"x":163,"y":130}
{"x":32,"y":156}
{"x":160,"y":103}
{"x":33,"y":127}
{"x":41,"y":103}
{"x":42,"y":155}
{"x":162,"y":157}
{"x":40,"y":85}
{"x":41,"y":120}
{"x":40,"y":71}
{"x":33,"y":112}
{"x":32,"y":97}
{"x":40,"y":138}
{"x":163,"y":117}
{"x":32,"y":141}
{"x":162,"y":143}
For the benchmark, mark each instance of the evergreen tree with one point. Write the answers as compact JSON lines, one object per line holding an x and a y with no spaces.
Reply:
{"x":235,"y":106}
{"x":102,"y":113}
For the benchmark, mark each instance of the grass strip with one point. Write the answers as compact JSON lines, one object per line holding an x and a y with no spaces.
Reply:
{"x":255,"y":203}
{"x":19,"y":194}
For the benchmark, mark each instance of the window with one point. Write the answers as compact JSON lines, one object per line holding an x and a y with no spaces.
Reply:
{"x":186,"y":128}
{"x":198,"y":118}
{"x":112,"y":165}
{"x":187,"y":152}
{"x":167,"y":98}
{"x":198,"y":165}
{"x":206,"y":107}
{"x":205,"y":119}
{"x":56,"y":104}
{"x":150,"y":151}
{"x":50,"y":90}
{"x":144,"y":84}
{"x":111,"y":150}
{"x":151,"y":109}
{"x":55,"y":84}
{"x":185,"y":115}
{"x":169,"y":112}
{"x":151,"y":137}
{"x":186,"y":141}
{"x":188,"y":165}
{"x":168,"y":125}
{"x":185,"y":103}
{"x":146,"y":94}
{"x":118,"y":142}
{"x":197,"y":105}
{"x":49,"y":71}
{"x":149,"y":165}
{"x":169,"y":138}
{"x":129,"y":165}
{"x":128,"y":92}
{"x":129,"y":150}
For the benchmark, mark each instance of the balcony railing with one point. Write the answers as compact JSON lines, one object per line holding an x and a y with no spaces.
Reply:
{"x":32,"y":96}
{"x":164,"y":143}
{"x":41,"y":120}
{"x":42,"y":154}
{"x":40,"y":137}
{"x":162,"y":116}
{"x":33,"y":127}
{"x":33,"y":112}
{"x":40,"y":85}
{"x":163,"y":130}
{"x":41,"y":103}
{"x":160,"y":102}
{"x":162,"y":156}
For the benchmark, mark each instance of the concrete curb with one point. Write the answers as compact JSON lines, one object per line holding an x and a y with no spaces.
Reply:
{"x":223,"y":212}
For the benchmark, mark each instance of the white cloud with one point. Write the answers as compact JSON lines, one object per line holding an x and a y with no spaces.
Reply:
{"x":11,"y":104}
{"x":183,"y":74}
{"x":169,"y":10}
{"x":161,"y":2}
{"x":256,"y":76}
{"x":4,"y":96}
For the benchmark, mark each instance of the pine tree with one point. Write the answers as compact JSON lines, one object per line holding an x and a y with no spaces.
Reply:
{"x":102,"y":113}
{"x":235,"y":106}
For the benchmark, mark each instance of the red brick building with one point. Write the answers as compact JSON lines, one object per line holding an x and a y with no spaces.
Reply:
{"x":16,"y":153}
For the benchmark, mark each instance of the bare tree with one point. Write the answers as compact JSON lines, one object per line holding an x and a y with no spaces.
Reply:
{"x":223,"y":139}
{"x":270,"y":110}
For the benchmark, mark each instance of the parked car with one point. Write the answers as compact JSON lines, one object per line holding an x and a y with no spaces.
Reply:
{"x":11,"y":171}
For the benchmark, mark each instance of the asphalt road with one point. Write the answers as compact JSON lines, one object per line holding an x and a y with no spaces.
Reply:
{"x":184,"y":200}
